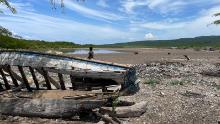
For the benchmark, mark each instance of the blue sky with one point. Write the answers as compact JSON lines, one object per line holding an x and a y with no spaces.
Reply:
{"x":111,"y":21}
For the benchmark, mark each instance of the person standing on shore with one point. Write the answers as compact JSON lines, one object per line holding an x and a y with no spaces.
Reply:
{"x":91,"y":53}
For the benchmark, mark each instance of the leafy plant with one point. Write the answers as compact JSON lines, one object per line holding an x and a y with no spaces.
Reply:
{"x":217,"y":22}
{"x":114,"y":104}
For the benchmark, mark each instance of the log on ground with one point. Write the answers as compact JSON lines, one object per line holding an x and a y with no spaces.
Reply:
{"x":135,"y":110}
{"x":46,"y":108}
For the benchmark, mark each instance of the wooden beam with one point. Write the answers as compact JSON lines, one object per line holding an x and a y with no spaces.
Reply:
{"x":46,"y":108}
{"x":61,"y":81}
{"x":15,"y":82}
{"x":20,"y":68}
{"x":7,"y":86}
{"x":15,"y":75}
{"x":72,"y":79}
{"x":50,"y":79}
{"x":91,"y":74}
{"x":34,"y":78}
{"x":46,"y":77}
{"x":135,"y":110}
{"x":1,"y":88}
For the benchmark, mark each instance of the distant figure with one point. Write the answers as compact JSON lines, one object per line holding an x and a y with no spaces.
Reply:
{"x":91,"y":53}
{"x":135,"y":53}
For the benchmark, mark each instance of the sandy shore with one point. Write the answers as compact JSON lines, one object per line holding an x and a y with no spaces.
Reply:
{"x":146,"y":55}
{"x":177,"y":91}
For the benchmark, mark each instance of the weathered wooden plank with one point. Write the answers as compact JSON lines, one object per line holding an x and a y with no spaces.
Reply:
{"x":35,"y":59}
{"x":15,"y":75}
{"x":9,"y":70}
{"x":34,"y":78}
{"x":46,"y":108}
{"x":46,"y":77}
{"x":1,"y":87}
{"x":135,"y":110}
{"x":91,"y":74}
{"x":50,"y":79}
{"x":62,"y":84}
{"x":7,"y":86}
{"x":25,"y":81}
{"x":72,"y":80}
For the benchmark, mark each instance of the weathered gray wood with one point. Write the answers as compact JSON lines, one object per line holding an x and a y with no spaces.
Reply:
{"x":105,"y":119}
{"x":34,"y":78}
{"x":36,"y":59}
{"x":7,"y":86}
{"x":1,"y":87}
{"x":20,"y":68}
{"x":92,"y":74}
{"x":50,"y":79}
{"x":46,"y":108}
{"x":15,"y":75}
{"x":62,"y":84}
{"x":15,"y":82}
{"x":135,"y":110}
{"x":72,"y":80}
{"x":46,"y":77}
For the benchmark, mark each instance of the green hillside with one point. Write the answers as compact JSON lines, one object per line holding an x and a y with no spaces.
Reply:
{"x":15,"y":43}
{"x":197,"y":42}
{"x":10,"y":41}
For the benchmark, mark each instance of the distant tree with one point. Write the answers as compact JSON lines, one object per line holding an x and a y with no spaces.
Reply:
{"x":217,"y":22}
{"x":5,"y":32}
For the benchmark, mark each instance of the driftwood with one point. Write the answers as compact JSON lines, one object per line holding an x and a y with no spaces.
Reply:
{"x":125,"y":112}
{"x":46,"y":108}
{"x":213,"y":73}
{"x":105,"y":119}
{"x":187,"y":58}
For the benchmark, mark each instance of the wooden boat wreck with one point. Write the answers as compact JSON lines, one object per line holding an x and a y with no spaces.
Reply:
{"x":47,"y":85}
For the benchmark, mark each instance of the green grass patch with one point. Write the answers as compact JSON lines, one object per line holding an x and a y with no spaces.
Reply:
{"x":177,"y":82}
{"x":152,"y":82}
{"x":218,"y":87}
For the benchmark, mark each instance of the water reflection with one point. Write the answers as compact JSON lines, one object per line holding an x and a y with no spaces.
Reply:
{"x":96,"y":51}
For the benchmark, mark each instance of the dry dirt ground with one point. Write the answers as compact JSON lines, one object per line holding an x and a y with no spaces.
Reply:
{"x":177,"y":91}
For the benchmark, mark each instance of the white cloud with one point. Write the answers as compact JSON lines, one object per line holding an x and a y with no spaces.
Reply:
{"x":102,"y":3}
{"x":92,"y":12}
{"x":166,"y":29}
{"x":42,"y":27}
{"x":200,"y":26}
{"x":164,"y":6}
{"x":162,"y":25}
{"x":128,"y":6}
{"x":149,"y":36}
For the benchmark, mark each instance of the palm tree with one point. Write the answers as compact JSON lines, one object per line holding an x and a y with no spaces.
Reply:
{"x":13,"y":10}
{"x":217,"y":22}
{"x":6,"y":3}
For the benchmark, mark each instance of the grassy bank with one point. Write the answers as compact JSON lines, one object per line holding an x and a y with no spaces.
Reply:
{"x":8,"y":42}
{"x":197,"y":42}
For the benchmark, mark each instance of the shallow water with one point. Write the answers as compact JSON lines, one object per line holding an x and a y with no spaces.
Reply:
{"x":97,"y":51}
